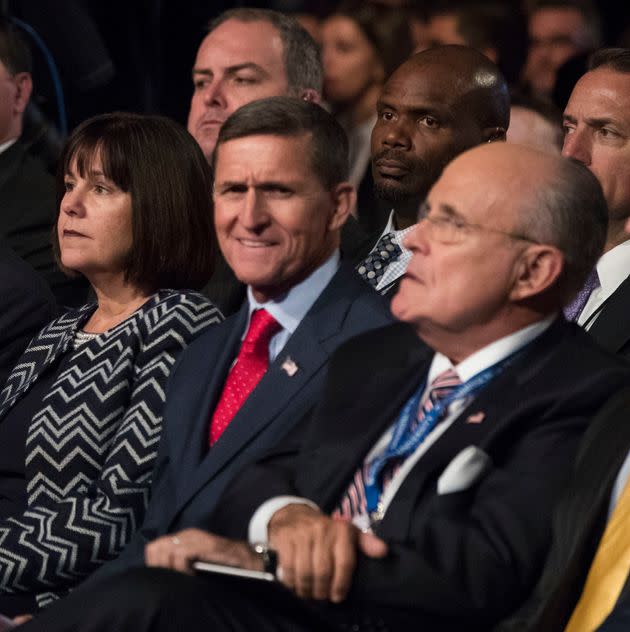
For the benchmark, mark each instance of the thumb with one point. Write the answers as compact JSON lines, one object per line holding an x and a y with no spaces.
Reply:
{"x":372,"y":546}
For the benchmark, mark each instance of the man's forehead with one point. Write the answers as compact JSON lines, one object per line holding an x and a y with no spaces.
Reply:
{"x":425,"y":83}
{"x":266,"y":155}
{"x":234,"y":43}
{"x":602,"y":92}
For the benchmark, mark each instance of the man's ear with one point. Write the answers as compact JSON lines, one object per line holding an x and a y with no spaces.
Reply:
{"x":345,"y":198}
{"x":538,"y":268}
{"x":24,"y":88}
{"x":309,"y":94}
{"x":493,"y":134}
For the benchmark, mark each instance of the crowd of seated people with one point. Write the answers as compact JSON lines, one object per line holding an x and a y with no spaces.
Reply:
{"x":417,"y":420}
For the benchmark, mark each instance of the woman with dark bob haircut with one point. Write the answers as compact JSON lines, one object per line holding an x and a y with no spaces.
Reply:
{"x":81,"y":413}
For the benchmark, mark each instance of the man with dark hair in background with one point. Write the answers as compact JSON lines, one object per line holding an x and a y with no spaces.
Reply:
{"x":558,"y":30}
{"x":27,"y":190}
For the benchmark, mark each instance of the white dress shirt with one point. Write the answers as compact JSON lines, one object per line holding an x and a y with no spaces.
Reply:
{"x":290,"y":308}
{"x":397,"y":268}
{"x":613,"y":268}
{"x":468,"y":368}
{"x":4,"y":146}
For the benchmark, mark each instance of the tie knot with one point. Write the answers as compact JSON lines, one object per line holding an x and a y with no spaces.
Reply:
{"x":262,"y":328}
{"x":443,"y":384}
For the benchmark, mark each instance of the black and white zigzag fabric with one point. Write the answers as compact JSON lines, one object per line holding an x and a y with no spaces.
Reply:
{"x":91,"y":448}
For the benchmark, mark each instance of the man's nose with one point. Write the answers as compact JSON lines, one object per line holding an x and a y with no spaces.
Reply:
{"x":578,"y":145}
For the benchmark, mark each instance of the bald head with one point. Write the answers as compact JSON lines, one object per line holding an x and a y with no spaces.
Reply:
{"x":541,"y":196}
{"x":476,"y":81}
{"x":509,"y":233}
{"x":437,"y":104}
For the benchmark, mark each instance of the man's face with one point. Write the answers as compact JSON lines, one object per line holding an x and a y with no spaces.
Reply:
{"x":556,"y":34}
{"x":597,"y":133}
{"x":275,"y":221}
{"x":421,"y":125}
{"x":460,"y":286}
{"x":237,"y":63}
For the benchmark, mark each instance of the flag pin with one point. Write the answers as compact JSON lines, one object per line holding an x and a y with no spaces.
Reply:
{"x":477,"y":418}
{"x":289,"y":367}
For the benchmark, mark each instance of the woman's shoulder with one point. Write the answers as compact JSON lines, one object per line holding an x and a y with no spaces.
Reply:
{"x":179,"y":310}
{"x":181,"y":300}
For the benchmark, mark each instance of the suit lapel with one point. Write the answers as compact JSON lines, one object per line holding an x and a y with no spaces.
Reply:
{"x":497,"y":405}
{"x":309,"y":348}
{"x":206,"y":382}
{"x":610,"y":329}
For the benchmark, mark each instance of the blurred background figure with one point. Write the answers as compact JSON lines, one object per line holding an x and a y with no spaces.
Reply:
{"x":27,"y":190}
{"x":496,"y":29}
{"x":362,"y":44}
{"x":558,"y":30}
{"x":81,"y":413}
{"x":535,"y":123}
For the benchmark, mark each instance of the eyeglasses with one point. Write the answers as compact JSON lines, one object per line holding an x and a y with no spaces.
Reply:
{"x":452,"y":229}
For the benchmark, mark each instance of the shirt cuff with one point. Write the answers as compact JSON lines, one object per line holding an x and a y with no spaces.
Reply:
{"x":257,"y":531}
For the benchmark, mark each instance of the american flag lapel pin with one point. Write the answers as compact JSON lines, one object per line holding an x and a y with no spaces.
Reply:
{"x":289,"y":367}
{"x":477,"y":418}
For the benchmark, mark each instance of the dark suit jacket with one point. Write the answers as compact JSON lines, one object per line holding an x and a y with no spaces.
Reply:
{"x":189,"y":478}
{"x":580,"y":520}
{"x":27,"y":203}
{"x":26,"y":305}
{"x":460,"y":560}
{"x":612,"y":327}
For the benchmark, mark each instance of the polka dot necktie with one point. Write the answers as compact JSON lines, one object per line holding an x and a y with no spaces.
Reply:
{"x":375,"y":264}
{"x":251,"y":364}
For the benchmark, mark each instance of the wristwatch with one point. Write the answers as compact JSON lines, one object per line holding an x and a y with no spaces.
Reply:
{"x":268,"y":556}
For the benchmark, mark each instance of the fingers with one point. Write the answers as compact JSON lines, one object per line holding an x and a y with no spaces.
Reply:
{"x":317,"y":557}
{"x":174,"y":552}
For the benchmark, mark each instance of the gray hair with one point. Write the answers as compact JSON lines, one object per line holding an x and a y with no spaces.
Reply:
{"x":569,"y":211}
{"x":292,"y":117}
{"x":300,"y":52}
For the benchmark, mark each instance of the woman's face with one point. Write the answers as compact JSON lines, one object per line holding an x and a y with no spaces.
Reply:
{"x":351,"y":64}
{"x":94,"y":224}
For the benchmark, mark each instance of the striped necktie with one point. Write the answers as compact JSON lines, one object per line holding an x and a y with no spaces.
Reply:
{"x":353,"y":502}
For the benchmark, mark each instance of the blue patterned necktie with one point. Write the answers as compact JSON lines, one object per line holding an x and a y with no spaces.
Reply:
{"x":374,"y":265}
{"x":573,"y":310}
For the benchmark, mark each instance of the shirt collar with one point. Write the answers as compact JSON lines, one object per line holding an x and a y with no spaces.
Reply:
{"x":490,"y":354}
{"x":613,"y":267}
{"x":7,"y":144}
{"x":398,"y":234}
{"x":290,"y":308}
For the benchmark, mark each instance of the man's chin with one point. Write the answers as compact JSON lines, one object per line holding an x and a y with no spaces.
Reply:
{"x":392,"y":191}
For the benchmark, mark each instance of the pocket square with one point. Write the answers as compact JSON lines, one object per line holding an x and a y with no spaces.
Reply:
{"x":463,"y":471}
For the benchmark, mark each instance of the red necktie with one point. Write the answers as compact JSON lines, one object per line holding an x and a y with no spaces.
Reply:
{"x":251,"y":363}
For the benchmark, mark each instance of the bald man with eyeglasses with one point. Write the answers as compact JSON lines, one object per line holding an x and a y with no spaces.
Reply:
{"x":420,"y":494}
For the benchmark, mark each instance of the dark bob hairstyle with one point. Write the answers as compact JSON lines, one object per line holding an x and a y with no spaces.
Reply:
{"x":161,"y":166}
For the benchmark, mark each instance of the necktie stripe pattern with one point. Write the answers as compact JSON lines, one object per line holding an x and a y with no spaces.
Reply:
{"x":251,"y":364}
{"x":353,"y":502}
{"x":374,"y":265}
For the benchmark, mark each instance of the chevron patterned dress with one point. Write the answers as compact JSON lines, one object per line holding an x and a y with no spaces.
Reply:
{"x":92,"y":445}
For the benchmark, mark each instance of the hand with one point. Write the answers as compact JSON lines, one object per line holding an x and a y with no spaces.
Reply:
{"x":316,"y":554}
{"x":178,"y":551}
{"x":22,"y":618}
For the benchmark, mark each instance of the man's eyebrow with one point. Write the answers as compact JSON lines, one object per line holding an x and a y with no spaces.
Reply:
{"x":451,"y":211}
{"x":569,"y":118}
{"x":231,"y":70}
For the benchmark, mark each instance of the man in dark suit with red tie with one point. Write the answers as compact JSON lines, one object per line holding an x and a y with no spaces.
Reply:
{"x":281,"y":199}
{"x":419,"y":494}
